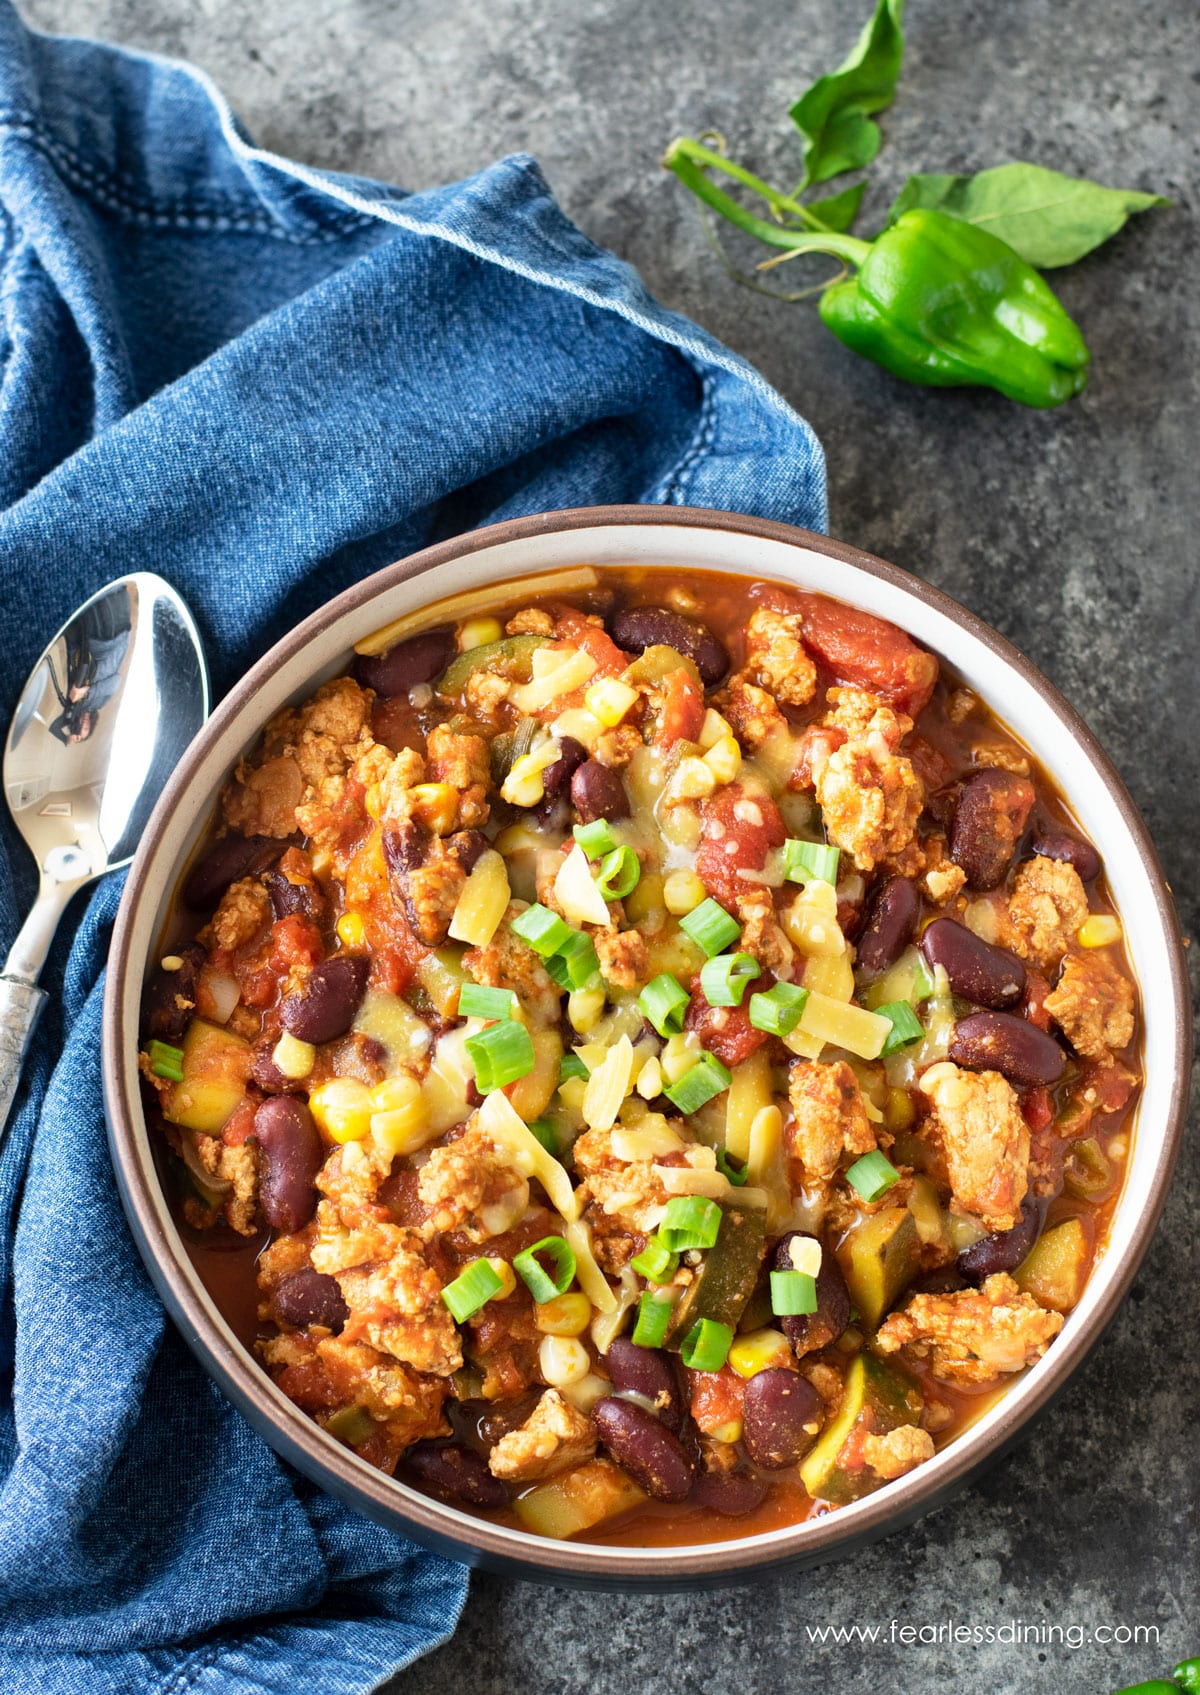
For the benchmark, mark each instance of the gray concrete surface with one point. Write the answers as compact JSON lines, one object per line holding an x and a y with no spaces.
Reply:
{"x":1074,"y":532}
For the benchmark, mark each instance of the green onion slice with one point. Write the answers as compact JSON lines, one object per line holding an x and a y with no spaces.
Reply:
{"x":664,"y":1001}
{"x":806,"y":862}
{"x":779,"y":1009}
{"x":575,"y":962}
{"x":656,"y":1262}
{"x":596,"y":839}
{"x":472,"y":1289}
{"x":690,"y":1221}
{"x":572,"y":1066}
{"x":906,"y":1026}
{"x":706,"y":1079}
{"x":653,"y":1321}
{"x":476,"y":1000}
{"x":793,"y":1293}
{"x":500,"y":1054}
{"x":619,"y":873}
{"x":706,"y":1345}
{"x":544,"y":930}
{"x":543,"y":1285}
{"x":723,"y":979}
{"x":165,"y":1061}
{"x":725,"y":1166}
{"x":710,"y":926}
{"x":544,"y":1132}
{"x":872,"y":1175}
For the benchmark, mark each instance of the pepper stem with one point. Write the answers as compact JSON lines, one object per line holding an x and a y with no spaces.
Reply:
{"x":690,"y":160}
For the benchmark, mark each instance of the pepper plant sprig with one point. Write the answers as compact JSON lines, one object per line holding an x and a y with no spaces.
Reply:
{"x":948,"y":293}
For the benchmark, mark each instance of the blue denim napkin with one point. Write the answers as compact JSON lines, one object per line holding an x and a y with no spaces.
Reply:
{"x":261,"y":381}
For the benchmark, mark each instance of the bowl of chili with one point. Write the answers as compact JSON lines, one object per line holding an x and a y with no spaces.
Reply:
{"x":735,"y":940}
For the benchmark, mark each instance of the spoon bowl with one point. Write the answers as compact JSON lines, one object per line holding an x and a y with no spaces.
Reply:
{"x":108,"y":710}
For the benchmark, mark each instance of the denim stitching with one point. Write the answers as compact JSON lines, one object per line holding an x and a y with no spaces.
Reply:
{"x":195,"y":215}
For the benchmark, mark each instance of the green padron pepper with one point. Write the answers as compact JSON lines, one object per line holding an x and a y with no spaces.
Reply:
{"x":1187,"y":1675}
{"x":945,"y":303}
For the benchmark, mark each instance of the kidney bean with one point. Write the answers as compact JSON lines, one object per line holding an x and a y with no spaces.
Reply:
{"x":551,"y":811}
{"x":418,"y":660}
{"x":652,"y":1456}
{"x":812,"y":1330}
{"x":996,"y":1041}
{"x":649,"y":1372}
{"x":458,"y":1472}
{"x":598,"y":792}
{"x":1057,"y":844}
{"x":733,"y":1494}
{"x":231,"y":857}
{"x":639,"y":627}
{"x":1005,"y":1249}
{"x":890,"y":922}
{"x":332,"y":995}
{"x":310,"y":1297}
{"x":992,"y":810}
{"x":165,"y":1018}
{"x":779,"y":1404}
{"x":288,"y":898}
{"x":978,"y":972}
{"x":467,"y":846}
{"x":292,"y":1153}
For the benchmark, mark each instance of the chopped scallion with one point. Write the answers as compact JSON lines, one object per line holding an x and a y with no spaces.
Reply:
{"x":574,"y":962}
{"x":500,"y":1054}
{"x":165,"y":1061}
{"x":596,"y":839}
{"x":544,"y":930}
{"x":544,"y":1285}
{"x":806,"y":862}
{"x":906,"y":1026}
{"x":619,"y":873}
{"x":572,"y":1066}
{"x":723,"y":980}
{"x":653,"y":1321}
{"x":710,"y":926}
{"x":472,"y":1289}
{"x":703,"y":1082}
{"x":793,"y":1293}
{"x":872,"y":1175}
{"x":706,"y":1345}
{"x":725,"y":1166}
{"x":544,"y":1132}
{"x":476,"y":1000}
{"x":779,"y":1009}
{"x":664,"y":1001}
{"x":690,"y":1221}
{"x":656,"y":1262}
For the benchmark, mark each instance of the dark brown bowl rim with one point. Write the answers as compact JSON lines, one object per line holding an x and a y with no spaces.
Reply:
{"x":445,"y":1528}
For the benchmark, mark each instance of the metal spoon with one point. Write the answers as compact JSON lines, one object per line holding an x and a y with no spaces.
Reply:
{"x":102,"y":722}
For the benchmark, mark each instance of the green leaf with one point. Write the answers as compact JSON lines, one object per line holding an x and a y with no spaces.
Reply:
{"x":839,"y":211}
{"x":834,"y":114}
{"x":1049,"y":218}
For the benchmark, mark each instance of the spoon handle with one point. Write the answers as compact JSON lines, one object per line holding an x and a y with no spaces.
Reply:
{"x":20,"y":1005}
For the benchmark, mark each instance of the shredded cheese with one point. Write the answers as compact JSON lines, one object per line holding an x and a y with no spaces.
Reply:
{"x":505,"y":1126}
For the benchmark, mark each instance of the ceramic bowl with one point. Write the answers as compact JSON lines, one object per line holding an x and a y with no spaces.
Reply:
{"x":693,"y":542}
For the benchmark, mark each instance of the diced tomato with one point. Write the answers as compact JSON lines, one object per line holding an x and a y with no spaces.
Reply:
{"x":683,"y":709}
{"x":240,"y":1125}
{"x":295,"y":940}
{"x":1110,"y":1085}
{"x":1038,"y":1107}
{"x":307,"y":1385}
{"x":1033,"y":1005}
{"x":573,"y":630}
{"x":813,"y":749}
{"x":717,"y":1398}
{"x":930,"y":764}
{"x":868,"y":653}
{"x":726,"y":1031}
{"x":737,"y":831}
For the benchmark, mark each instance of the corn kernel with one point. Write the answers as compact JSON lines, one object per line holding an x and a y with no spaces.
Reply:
{"x":293,"y":1058}
{"x":713,"y":729}
{"x":583,"y":726}
{"x":693,"y":779}
{"x":584,"y":1394}
{"x":352,"y":932}
{"x":730,"y":1431}
{"x":524,"y":786}
{"x":563,"y":1360}
{"x":392,"y":1094}
{"x":342,"y":1108}
{"x":506,"y":1274}
{"x":476,"y":632}
{"x":435,"y":805}
{"x":650,"y":1080}
{"x":679,"y":1055}
{"x":758,"y":1350}
{"x":804,"y":1252}
{"x":585,"y":1007}
{"x":610,"y":699}
{"x":171,"y":962}
{"x":724,"y":759}
{"x":400,"y":1121}
{"x":1099,"y":931}
{"x":565,"y":1315}
{"x":898,"y":1110}
{"x":682,"y":892}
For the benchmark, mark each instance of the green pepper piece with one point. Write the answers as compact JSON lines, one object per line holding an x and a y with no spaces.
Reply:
{"x":1156,"y":1686}
{"x":511,"y":657}
{"x":1187,"y":1675}
{"x":947,"y":304}
{"x":351,"y":1425}
{"x":726,"y":1278}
